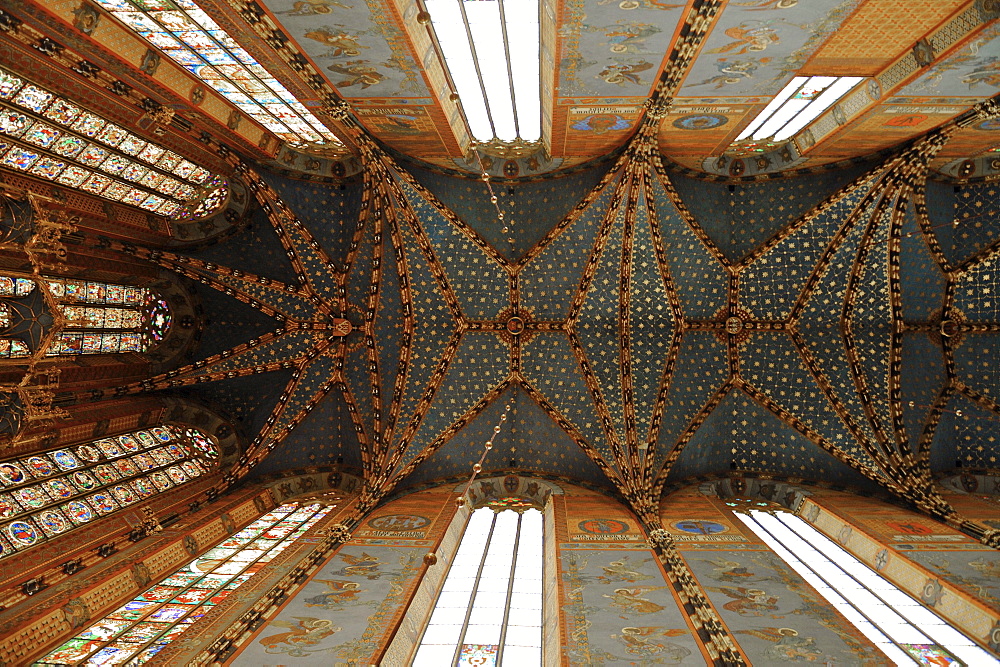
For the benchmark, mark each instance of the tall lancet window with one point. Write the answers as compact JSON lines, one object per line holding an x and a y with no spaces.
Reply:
{"x":138,"y":630}
{"x":489,"y":611}
{"x":904,"y":629}
{"x":104,"y":318}
{"x":54,"y":139}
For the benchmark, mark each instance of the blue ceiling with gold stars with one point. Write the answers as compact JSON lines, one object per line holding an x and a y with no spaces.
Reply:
{"x":643,"y":326}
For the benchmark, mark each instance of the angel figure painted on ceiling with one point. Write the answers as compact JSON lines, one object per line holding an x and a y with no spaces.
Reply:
{"x":305,"y":631}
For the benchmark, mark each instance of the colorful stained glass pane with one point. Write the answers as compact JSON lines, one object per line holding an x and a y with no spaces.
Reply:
{"x":168,"y":161}
{"x":23,"y":286}
{"x":168,"y":186}
{"x":13,"y":123}
{"x":73,"y":176}
{"x":144,"y":461}
{"x":52,"y":522}
{"x":158,"y":593}
{"x":59,"y":489}
{"x":106,"y":629}
{"x":191,"y":468}
{"x":111,"y":135}
{"x":106,"y":474}
{"x":20,"y":158}
{"x":133,"y":610}
{"x":110,"y":448}
{"x":12,"y":473}
{"x":135,"y":196}
{"x":170,"y":612}
{"x":162,"y":434}
{"x":40,"y":465}
{"x":161,"y":480}
{"x":65,"y":460}
{"x":131,"y":144}
{"x":117,"y":190}
{"x":114,"y":164}
{"x":143,"y":632}
{"x":91,"y":343}
{"x":129,"y":443}
{"x":83,"y":480}
{"x":176,"y":475}
{"x":152,"y":179}
{"x":145,"y":438}
{"x":31,"y":496}
{"x":169,"y":209}
{"x":172,"y":452}
{"x":69,"y":146}
{"x":42,"y":135}
{"x":88,"y":453}
{"x":130,"y":342}
{"x":9,"y":84}
{"x":9,"y":507}
{"x":62,"y":111}
{"x":125,"y":467}
{"x":88,"y":124}
{"x":72,"y":651}
{"x":125,"y":494}
{"x":96,"y":183}
{"x":48,"y":167}
{"x":78,"y":512}
{"x":33,"y":97}
{"x":103,"y":503}
{"x":134,"y":172}
{"x":144,"y":487}
{"x":22,"y":533}
{"x":151,"y":203}
{"x":151,"y":153}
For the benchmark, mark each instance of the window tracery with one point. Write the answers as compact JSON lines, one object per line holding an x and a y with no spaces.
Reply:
{"x":189,"y":37}
{"x":49,"y":493}
{"x":135,"y":632}
{"x":902,"y":628}
{"x":52,"y":138}
{"x":490,"y":607}
{"x":105,"y":318}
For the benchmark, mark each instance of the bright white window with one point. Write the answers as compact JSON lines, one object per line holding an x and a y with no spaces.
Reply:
{"x":797,"y":105}
{"x":489,"y":611}
{"x":498,"y":85}
{"x":902,"y":628}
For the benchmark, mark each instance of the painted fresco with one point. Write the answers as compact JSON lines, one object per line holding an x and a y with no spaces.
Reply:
{"x":774,"y":615}
{"x":975,"y":572}
{"x":357,"y":45}
{"x":972,"y":70}
{"x":757,"y":45}
{"x":619,"y":608}
{"x":339,"y":616}
{"x":611,"y":49}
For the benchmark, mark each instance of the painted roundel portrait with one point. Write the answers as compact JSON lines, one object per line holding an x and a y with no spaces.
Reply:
{"x":700,"y":121}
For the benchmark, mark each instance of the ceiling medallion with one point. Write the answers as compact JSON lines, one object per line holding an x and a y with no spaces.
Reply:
{"x":515,"y":325}
{"x":734,"y":325}
{"x":506,"y":150}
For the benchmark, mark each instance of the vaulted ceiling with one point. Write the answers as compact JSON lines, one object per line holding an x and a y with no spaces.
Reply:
{"x":647,"y":317}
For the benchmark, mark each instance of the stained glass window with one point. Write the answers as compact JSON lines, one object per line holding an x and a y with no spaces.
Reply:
{"x":49,"y":493}
{"x":104,"y":318}
{"x":489,"y":611}
{"x":193,"y":40}
{"x":904,"y":629}
{"x":52,"y":138}
{"x":135,"y":632}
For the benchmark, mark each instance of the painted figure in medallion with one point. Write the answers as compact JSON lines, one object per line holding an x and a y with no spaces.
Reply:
{"x":306,"y":631}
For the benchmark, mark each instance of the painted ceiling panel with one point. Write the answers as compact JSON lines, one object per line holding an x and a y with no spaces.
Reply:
{"x":550,"y":280}
{"x":922,"y":377}
{"x":650,"y":320}
{"x":315,"y":377}
{"x":433,"y":327}
{"x":532,"y":209}
{"x":976,"y":364}
{"x":976,"y":207}
{"x":870,"y":323}
{"x":598,"y":325}
{"x":359,"y":279}
{"x":770,"y":286}
{"x":358,"y":377}
{"x":270,"y":259}
{"x":702,"y":367}
{"x":478,"y":281}
{"x":968,"y":434}
{"x":851,"y":51}
{"x":548,"y":363}
{"x":529,"y":436}
{"x":976,"y":290}
{"x":229,"y":322}
{"x":480,"y":365}
{"x":969,"y":71}
{"x":921,"y":283}
{"x":389,"y":324}
{"x":756,"y":46}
